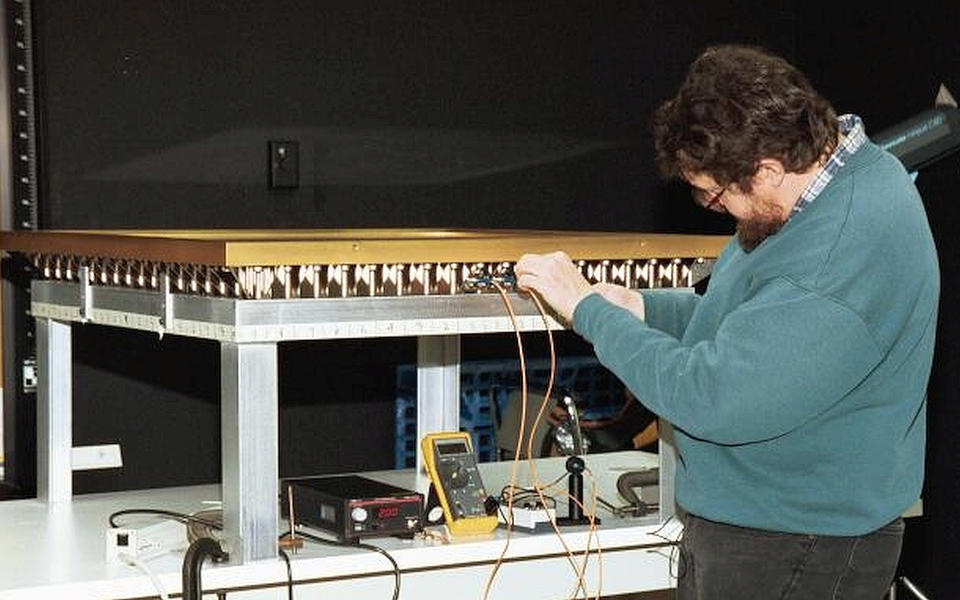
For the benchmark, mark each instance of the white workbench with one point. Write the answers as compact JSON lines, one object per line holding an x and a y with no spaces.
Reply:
{"x":58,"y":550}
{"x":249,"y":332}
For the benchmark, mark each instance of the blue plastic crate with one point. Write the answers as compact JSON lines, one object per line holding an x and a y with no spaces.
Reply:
{"x":405,"y":431}
{"x":485,"y":387}
{"x":484,"y":443}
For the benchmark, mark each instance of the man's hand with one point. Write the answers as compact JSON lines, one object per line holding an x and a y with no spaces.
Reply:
{"x":623,"y":297}
{"x":555,"y":279}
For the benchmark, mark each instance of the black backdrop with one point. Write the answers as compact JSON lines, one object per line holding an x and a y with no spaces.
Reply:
{"x":156,"y":114}
{"x":504,"y":114}
{"x":509,"y":114}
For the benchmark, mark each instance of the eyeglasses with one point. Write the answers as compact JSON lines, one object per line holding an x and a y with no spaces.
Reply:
{"x":709,"y":200}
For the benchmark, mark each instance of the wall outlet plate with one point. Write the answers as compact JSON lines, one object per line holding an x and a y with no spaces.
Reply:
{"x":105,"y":456}
{"x":283,"y":164}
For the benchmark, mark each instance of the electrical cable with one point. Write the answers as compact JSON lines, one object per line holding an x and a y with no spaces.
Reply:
{"x":286,"y":559}
{"x":133,"y":561}
{"x":205,"y":523}
{"x":543,"y":405}
{"x":192,"y":588}
{"x":627,"y":510}
{"x":533,"y":472}
{"x":167,"y":514}
{"x":676,"y":555}
{"x":592,"y":534}
{"x":516,"y":454}
{"x":372,"y":548}
{"x":522,"y":494}
{"x":201,"y":524}
{"x":536,"y":480}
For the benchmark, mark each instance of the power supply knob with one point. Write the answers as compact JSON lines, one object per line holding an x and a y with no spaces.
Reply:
{"x":359,"y":514}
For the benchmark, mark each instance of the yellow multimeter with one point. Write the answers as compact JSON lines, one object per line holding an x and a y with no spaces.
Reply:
{"x":452,"y":468}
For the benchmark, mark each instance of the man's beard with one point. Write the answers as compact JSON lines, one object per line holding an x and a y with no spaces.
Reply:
{"x":764,"y":221}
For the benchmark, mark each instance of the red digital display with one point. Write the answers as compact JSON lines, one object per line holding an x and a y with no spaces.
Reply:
{"x":388,"y":512}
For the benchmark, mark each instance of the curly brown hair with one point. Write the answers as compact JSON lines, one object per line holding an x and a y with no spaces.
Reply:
{"x":738,"y":105}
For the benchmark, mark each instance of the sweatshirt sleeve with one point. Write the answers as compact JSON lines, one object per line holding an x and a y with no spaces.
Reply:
{"x":777,"y":360}
{"x":669,"y":310}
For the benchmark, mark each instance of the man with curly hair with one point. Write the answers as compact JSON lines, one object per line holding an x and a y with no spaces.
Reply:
{"x":796,"y":384}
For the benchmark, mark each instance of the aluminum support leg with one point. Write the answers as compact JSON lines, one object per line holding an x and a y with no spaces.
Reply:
{"x":54,"y":411}
{"x":249,"y":429}
{"x":438,"y":386}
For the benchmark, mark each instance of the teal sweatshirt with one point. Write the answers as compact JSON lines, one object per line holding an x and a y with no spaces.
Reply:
{"x":796,"y":384}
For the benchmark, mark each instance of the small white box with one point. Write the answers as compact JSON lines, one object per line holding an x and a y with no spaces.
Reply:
{"x":145,"y":542}
{"x":531,"y":520}
{"x":106,"y":456}
{"x":121,"y":541}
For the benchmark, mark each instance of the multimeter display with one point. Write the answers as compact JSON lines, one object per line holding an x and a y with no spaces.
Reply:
{"x":451,"y":448}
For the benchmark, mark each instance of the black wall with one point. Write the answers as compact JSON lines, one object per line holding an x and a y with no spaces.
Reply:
{"x":504,"y":114}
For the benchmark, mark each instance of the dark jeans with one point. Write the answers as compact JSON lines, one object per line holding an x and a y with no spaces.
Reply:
{"x":724,"y":562}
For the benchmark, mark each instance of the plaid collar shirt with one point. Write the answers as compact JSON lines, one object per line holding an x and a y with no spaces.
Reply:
{"x":854,"y":135}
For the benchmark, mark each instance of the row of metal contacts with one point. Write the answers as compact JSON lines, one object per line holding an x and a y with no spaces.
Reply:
{"x":347,"y":280}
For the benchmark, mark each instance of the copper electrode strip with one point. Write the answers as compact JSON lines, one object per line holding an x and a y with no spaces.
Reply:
{"x":244,"y":248}
{"x":270,"y":264}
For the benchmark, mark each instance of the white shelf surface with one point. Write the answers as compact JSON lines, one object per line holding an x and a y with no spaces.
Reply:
{"x":58,"y":550}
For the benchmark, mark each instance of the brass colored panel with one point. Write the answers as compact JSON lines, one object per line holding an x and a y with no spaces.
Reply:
{"x":132,"y":246}
{"x":265,"y":247}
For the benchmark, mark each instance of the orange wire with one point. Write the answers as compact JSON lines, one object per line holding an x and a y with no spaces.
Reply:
{"x":516,"y":454}
{"x":592,"y":533}
{"x":538,"y":486}
{"x":516,"y":457}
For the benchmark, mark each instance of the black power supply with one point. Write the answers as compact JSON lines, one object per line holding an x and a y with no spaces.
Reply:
{"x":352,"y":507}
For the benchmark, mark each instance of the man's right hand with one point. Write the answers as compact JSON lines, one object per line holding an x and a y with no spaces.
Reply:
{"x":623,"y":297}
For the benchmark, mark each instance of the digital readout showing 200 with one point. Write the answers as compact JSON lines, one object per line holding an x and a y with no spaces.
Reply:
{"x":388,"y":512}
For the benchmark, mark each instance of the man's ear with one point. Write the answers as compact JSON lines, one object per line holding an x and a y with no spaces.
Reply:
{"x":771,"y":172}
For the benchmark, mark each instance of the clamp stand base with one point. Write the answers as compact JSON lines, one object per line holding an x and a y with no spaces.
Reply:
{"x":569,"y":521}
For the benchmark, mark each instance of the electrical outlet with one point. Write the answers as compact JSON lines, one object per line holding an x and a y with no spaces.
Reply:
{"x":283,"y":164}
{"x":29,"y":375}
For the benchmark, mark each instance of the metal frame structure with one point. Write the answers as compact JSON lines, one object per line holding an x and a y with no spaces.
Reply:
{"x":248,"y":332}
{"x":394,"y":286}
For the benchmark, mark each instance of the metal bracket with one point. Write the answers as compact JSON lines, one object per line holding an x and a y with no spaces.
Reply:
{"x":166,"y":304}
{"x":701,"y":269}
{"x":86,"y":294}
